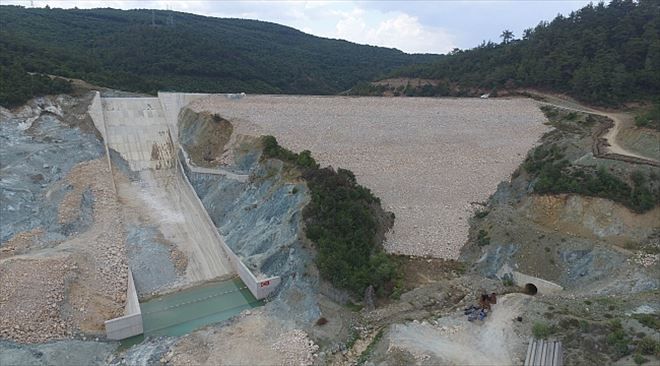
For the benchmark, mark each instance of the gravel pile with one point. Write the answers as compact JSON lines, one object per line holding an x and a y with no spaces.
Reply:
{"x":426,"y":158}
{"x":31,"y":294}
{"x":296,"y":347}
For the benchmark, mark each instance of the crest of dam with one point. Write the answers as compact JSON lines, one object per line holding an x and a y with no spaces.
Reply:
{"x":260,"y":217}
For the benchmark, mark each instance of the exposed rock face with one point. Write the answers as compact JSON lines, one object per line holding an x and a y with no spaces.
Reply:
{"x":593,"y":244}
{"x":260,"y":218}
{"x":62,"y":261}
{"x":204,"y":136}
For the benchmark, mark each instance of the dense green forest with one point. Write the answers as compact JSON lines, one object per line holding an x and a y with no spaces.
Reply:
{"x":17,"y":85}
{"x":603,"y":54}
{"x":145,"y":51}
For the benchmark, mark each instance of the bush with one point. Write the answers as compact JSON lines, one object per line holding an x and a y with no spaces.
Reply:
{"x":639,"y":359}
{"x":648,"y":346}
{"x":342,"y":219}
{"x":553,"y":175}
{"x":618,"y":340}
{"x":481,"y":214}
{"x":649,"y":320}
{"x":482,"y":238}
{"x":542,"y":330}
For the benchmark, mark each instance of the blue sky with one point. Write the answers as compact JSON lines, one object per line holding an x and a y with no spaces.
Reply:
{"x":411,"y":26}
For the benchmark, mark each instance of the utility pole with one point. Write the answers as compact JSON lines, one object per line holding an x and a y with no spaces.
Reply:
{"x":153,"y":18}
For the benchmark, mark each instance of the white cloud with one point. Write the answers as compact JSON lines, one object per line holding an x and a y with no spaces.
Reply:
{"x":398,"y":30}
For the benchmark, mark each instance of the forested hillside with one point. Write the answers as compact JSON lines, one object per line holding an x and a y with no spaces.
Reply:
{"x":145,"y":51}
{"x":601,"y":54}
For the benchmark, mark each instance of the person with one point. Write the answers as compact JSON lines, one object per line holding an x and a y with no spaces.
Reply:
{"x":492,"y":298}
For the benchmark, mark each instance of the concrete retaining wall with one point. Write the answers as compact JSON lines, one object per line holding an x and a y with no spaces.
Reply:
{"x":96,"y":112}
{"x":260,"y":288}
{"x":130,"y":324}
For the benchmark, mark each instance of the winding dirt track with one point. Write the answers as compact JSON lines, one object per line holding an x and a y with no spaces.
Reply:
{"x":619,"y":119}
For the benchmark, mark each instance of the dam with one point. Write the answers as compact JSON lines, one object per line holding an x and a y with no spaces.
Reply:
{"x":143,"y":132}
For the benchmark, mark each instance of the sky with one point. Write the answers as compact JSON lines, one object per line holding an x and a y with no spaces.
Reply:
{"x":411,"y":26}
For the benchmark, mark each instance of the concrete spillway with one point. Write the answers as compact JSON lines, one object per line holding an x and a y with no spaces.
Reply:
{"x":137,"y":129}
{"x":143,"y":131}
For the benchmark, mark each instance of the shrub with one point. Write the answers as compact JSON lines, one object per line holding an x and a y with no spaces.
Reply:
{"x":618,"y":340}
{"x":553,"y":174}
{"x":342,"y":219}
{"x":650,"y":118}
{"x":542,"y":330}
{"x":482,"y":238}
{"x":639,"y":359}
{"x":648,"y":346}
{"x":649,"y":320}
{"x":507,"y":281}
{"x":481,"y":214}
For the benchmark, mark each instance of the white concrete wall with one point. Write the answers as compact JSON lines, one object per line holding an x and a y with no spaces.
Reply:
{"x":130,"y":324}
{"x":136,"y":128}
{"x":96,"y":112}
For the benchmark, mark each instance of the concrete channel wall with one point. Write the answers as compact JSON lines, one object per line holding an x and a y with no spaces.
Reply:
{"x":260,"y":288}
{"x":130,"y":324}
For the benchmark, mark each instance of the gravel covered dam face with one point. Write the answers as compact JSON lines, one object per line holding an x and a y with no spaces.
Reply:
{"x":426,"y":158}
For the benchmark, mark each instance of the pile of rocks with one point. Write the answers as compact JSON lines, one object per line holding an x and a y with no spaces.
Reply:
{"x":296,"y":347}
{"x":32,"y":293}
{"x":102,"y":245}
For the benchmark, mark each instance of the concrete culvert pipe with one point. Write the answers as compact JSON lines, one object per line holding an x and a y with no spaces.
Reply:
{"x":530,"y":289}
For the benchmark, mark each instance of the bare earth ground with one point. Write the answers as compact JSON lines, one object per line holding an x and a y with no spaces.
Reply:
{"x":426,"y":158}
{"x":454,"y":341}
{"x":255,"y":339}
{"x":56,"y":292}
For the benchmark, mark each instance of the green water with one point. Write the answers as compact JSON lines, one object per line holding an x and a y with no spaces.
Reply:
{"x":184,"y":311}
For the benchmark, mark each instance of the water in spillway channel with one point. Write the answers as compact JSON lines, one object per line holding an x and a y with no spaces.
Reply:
{"x":182,"y":312}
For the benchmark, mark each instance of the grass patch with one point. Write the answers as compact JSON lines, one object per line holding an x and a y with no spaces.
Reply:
{"x":648,"y":320}
{"x":542,"y":330}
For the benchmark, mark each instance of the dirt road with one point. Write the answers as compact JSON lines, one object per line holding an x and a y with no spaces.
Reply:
{"x":621,"y":121}
{"x":455,"y":341}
